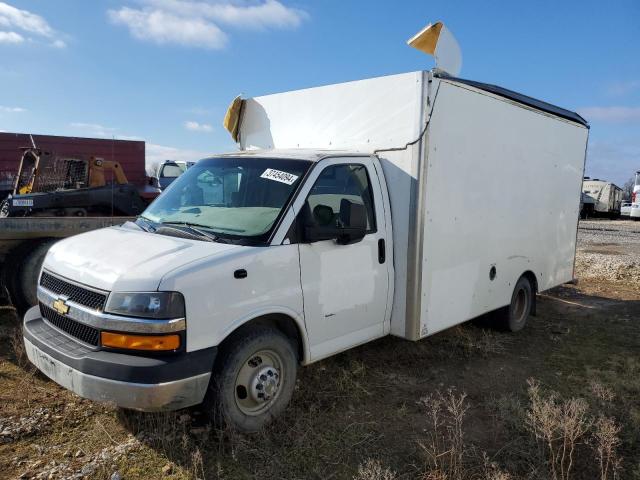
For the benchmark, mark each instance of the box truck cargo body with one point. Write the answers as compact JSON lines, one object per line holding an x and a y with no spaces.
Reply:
{"x":458,"y":157}
{"x":384,"y":206}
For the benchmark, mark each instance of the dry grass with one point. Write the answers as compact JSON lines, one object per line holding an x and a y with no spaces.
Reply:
{"x":607,"y":441}
{"x":559,"y":425}
{"x":358,"y":414}
{"x":444,"y":445}
{"x":373,"y":470}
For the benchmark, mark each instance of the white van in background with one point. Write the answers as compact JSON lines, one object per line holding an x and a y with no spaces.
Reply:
{"x":162,"y":174}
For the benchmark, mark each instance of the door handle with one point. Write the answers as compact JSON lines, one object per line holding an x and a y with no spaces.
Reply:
{"x":382,"y":254}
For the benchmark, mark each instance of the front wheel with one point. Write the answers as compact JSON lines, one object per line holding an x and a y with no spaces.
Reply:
{"x":514,"y":317}
{"x":253,"y":379}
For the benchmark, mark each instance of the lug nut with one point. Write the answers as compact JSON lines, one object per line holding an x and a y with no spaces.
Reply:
{"x":263,"y":377}
{"x":259,"y":386}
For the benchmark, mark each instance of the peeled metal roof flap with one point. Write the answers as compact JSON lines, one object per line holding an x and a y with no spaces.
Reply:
{"x":233,"y":118}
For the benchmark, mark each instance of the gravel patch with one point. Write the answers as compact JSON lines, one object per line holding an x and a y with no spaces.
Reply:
{"x":14,"y":428}
{"x":609,"y":249}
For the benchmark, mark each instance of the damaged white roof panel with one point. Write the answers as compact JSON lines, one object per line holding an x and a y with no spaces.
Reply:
{"x":364,"y":115}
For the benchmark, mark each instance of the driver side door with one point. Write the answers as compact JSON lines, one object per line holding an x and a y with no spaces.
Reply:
{"x":344,"y":286}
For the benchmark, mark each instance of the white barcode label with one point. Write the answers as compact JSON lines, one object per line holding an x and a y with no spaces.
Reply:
{"x":279,"y":176}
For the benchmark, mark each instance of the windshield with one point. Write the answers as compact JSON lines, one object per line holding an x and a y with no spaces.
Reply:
{"x":231,"y":197}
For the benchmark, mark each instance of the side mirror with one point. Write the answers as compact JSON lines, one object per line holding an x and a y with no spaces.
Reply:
{"x":322,"y":224}
{"x":353,"y":217}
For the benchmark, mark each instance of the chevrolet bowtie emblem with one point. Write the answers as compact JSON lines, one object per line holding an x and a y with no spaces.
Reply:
{"x":60,"y":306}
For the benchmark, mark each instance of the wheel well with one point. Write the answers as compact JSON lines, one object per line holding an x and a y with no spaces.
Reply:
{"x":534,"y":284}
{"x":280,"y":321}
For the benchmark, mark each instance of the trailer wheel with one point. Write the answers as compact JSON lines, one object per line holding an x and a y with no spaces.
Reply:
{"x":253,"y":380}
{"x":514,"y":317}
{"x":25,"y":294}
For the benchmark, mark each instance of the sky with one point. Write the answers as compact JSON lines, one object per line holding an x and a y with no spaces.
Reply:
{"x":165,"y":70}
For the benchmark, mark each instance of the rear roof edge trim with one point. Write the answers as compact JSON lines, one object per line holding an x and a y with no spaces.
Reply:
{"x":519,"y":98}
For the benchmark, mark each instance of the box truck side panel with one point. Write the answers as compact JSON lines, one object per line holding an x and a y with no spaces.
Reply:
{"x":364,"y":115}
{"x":487,"y":157}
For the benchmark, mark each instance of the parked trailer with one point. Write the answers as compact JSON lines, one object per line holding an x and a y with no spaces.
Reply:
{"x":606,"y":198}
{"x":260,"y":260}
{"x":24,"y":243}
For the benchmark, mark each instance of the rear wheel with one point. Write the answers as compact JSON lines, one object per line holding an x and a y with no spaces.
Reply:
{"x":514,"y":316}
{"x":254,"y":379}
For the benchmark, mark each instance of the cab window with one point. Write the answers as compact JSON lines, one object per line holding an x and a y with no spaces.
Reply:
{"x":342,"y":182}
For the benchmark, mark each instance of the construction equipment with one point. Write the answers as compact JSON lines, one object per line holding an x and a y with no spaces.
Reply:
{"x":51,"y":185}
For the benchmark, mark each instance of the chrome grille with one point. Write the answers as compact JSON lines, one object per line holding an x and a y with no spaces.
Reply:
{"x":82,"y":332}
{"x":73,"y":292}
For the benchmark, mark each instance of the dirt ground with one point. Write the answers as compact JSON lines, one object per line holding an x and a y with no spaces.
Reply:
{"x":373,"y":403}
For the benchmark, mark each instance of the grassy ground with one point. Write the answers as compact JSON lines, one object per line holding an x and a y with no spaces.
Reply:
{"x":369,"y":413}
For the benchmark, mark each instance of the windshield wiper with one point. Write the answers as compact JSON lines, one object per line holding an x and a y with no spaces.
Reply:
{"x":146,"y":224}
{"x":194,"y":228}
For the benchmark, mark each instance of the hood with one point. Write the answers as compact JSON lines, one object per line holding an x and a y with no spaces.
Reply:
{"x":126,"y":258}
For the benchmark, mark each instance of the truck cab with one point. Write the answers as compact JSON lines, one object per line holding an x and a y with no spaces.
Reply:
{"x":258,"y":262}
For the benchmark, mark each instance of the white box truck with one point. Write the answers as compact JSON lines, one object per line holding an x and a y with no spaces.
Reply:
{"x":634,"y":212}
{"x":353,"y":211}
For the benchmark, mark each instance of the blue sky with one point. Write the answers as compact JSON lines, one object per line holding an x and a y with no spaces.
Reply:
{"x":165,"y":70}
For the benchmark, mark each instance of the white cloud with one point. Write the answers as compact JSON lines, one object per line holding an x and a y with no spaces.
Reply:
{"x":618,"y":89}
{"x":270,"y":13}
{"x":611,"y":114}
{"x":6,"y":109}
{"x":164,"y":27}
{"x":198,"y":111}
{"x":29,"y":23}
{"x":197,"y":127}
{"x":158,"y":153}
{"x":94,"y":129}
{"x":11,"y":37}
{"x":195,"y":23}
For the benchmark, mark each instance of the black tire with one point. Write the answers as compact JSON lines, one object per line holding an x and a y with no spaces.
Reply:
{"x":248,"y":355}
{"x":514,"y":317}
{"x":26,"y":286}
{"x":4,"y":209}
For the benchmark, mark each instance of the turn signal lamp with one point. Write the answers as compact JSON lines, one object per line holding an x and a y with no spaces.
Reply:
{"x":154,"y":343}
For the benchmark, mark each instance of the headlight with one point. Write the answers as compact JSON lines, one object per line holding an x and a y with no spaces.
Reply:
{"x":146,"y":304}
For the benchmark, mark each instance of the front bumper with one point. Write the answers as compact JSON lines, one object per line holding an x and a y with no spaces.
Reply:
{"x":148,"y":383}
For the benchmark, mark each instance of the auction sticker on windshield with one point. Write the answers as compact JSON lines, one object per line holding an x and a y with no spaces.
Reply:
{"x":279,"y":176}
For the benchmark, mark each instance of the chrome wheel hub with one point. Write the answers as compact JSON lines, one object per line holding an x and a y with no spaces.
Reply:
{"x":265,"y":384}
{"x":258,"y":382}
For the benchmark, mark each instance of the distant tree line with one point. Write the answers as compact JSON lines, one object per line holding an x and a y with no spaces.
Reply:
{"x":627,"y":189}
